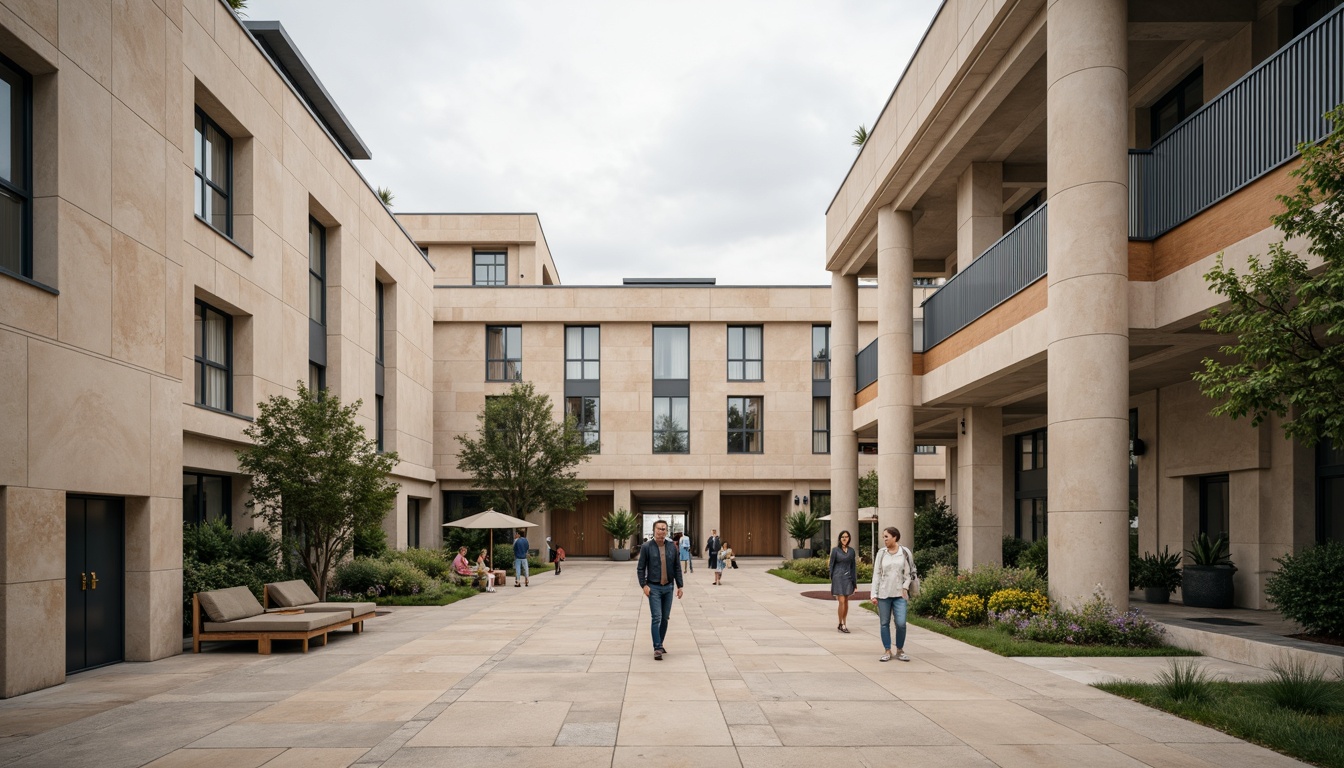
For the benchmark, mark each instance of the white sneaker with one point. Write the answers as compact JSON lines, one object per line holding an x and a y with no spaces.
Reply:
{"x":886,"y":656}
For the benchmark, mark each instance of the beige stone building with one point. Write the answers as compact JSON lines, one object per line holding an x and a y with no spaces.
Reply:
{"x":1130,"y":142}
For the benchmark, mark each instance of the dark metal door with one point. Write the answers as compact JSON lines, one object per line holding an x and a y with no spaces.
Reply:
{"x":95,"y":591}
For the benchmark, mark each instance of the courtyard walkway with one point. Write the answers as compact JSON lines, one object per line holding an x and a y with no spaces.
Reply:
{"x":561,"y":674}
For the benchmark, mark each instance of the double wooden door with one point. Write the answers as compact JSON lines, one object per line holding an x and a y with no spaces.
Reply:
{"x":580,"y":530}
{"x":95,"y":587}
{"x":751,"y":524}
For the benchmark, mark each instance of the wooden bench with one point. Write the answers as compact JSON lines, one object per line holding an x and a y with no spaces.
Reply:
{"x":266,"y":627}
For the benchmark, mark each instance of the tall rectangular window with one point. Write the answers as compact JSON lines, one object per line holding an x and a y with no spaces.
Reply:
{"x":214,"y":358}
{"x":380,"y":313}
{"x":489,"y":268}
{"x":16,"y":164}
{"x":671,"y":425}
{"x":317,"y":379}
{"x":584,"y":412}
{"x":671,"y":352}
{"x":214,"y":175}
{"x":1215,"y":503}
{"x":1177,"y":104}
{"x":378,"y":421}
{"x":821,"y":425}
{"x":206,"y":498}
{"x":821,"y":353}
{"x":744,"y":425}
{"x":744,"y":353}
{"x":503,"y":353}
{"x":317,"y":272}
{"x":413,"y":523}
{"x":582,"y":353}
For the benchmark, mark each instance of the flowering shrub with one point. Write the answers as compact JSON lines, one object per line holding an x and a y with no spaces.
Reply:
{"x":1096,"y":623}
{"x":374,"y":577}
{"x":984,"y":581}
{"x":1020,"y":600}
{"x":964,"y":609}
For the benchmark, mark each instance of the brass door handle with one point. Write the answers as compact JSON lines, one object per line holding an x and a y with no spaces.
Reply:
{"x":94,"y":574}
{"x":83,"y":581}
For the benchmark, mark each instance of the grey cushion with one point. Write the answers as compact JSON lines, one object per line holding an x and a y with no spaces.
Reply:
{"x":230,"y":604}
{"x":352,"y":609}
{"x":274,"y":622}
{"x":291,"y":594}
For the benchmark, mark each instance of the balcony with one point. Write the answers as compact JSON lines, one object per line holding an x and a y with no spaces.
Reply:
{"x":865,"y":366}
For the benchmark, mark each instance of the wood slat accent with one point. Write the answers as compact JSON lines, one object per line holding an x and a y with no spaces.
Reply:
{"x":579,"y":530}
{"x":757,"y":515}
{"x":1026,"y":303}
{"x":865,"y":395}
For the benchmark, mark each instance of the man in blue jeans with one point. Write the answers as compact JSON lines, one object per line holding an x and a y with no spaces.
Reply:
{"x":659,"y":570}
{"x":520,"y":546}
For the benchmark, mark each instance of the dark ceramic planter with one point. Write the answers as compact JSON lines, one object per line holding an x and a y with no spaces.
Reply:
{"x":620,"y":555}
{"x":1156,"y":595}
{"x":1207,"y":586}
{"x":801,"y":554}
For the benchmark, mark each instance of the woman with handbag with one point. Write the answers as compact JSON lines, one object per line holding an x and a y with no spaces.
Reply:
{"x":893,"y":570}
{"x":844,"y":578}
{"x":725,"y":562}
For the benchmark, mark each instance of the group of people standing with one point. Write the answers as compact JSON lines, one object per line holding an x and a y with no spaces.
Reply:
{"x":893,"y":572}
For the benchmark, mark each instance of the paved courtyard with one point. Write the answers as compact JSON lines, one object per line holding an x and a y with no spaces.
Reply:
{"x":562,"y":674}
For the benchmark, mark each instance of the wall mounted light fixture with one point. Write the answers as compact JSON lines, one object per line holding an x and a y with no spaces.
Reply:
{"x":796,"y":501}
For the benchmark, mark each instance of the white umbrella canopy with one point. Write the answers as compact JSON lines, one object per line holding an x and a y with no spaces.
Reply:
{"x":492,"y":520}
{"x":867,"y":515}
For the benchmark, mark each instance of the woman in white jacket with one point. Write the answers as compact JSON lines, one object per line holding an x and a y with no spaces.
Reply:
{"x":892,"y":572}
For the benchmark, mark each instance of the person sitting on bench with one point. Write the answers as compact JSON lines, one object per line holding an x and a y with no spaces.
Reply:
{"x":483,"y":570}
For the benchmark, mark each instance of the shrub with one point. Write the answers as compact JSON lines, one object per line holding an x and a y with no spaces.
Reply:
{"x":802,"y":526}
{"x":1036,"y":557}
{"x":434,"y":562}
{"x":928,"y":558}
{"x":402,"y":578}
{"x":369,"y":542}
{"x":1184,"y":681}
{"x":1097,"y":623}
{"x":1013,"y":548}
{"x":361,"y":574}
{"x":207,"y":542}
{"x":1302,"y":688}
{"x":987,"y":579}
{"x":1157,"y":571}
{"x":819,"y":567}
{"x":1308,"y":588}
{"x":961,"y":610}
{"x":213,"y":557}
{"x":935,"y":525}
{"x":934,"y":585}
{"x":1018,"y":600}
{"x":504,"y":557}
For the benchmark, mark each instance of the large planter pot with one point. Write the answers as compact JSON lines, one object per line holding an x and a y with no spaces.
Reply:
{"x":801,"y":554}
{"x":1207,"y":586}
{"x":620,"y":555}
{"x":1156,"y":594}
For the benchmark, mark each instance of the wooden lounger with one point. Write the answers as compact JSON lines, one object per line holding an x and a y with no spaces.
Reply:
{"x":265,"y":627}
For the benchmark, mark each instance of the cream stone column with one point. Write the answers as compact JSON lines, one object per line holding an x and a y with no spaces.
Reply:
{"x":1087,"y":236}
{"x":895,"y":380}
{"x":620,"y":498}
{"x":709,"y":514}
{"x":844,"y":444}
{"x":952,"y":479}
{"x":979,"y":211}
{"x":980,"y":517}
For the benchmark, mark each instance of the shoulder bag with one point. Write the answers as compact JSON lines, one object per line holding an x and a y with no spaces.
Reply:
{"x":914,"y":573}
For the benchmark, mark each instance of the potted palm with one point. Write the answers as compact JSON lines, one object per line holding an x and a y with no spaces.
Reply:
{"x":1207,"y":579}
{"x":1158,"y":575}
{"x":621,"y":524}
{"x":802,"y":525}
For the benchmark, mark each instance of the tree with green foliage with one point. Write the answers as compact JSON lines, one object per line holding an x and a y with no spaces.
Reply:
{"x":523,"y":460}
{"x":935,"y":525}
{"x":385,"y":196}
{"x":1287,"y":318}
{"x":860,"y":136}
{"x":668,"y":436}
{"x":316,"y":477}
{"x":868,"y":489}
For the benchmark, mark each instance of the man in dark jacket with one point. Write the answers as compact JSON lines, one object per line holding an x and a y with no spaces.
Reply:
{"x":659,"y":569}
{"x":712,"y":547}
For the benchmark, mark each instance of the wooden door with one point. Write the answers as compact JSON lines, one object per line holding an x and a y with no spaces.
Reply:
{"x":751,"y":524}
{"x":580,"y":530}
{"x":95,"y":594}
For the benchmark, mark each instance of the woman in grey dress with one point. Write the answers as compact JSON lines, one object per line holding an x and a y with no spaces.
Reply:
{"x":844,"y":576}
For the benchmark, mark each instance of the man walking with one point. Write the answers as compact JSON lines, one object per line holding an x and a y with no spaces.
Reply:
{"x":712,"y":547}
{"x":659,"y":569}
{"x":520,"y":547}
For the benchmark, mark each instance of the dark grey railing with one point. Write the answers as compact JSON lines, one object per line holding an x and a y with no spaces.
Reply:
{"x":865,"y":366}
{"x":1248,"y":130}
{"x":1014,"y":262}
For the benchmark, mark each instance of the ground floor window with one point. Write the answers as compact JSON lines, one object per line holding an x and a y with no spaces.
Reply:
{"x":1329,"y":492}
{"x":206,"y":498}
{"x":1214,"y":503}
{"x":1032,"y":519}
{"x":413,"y":523}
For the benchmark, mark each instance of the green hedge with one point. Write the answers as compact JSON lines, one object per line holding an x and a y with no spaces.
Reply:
{"x":1308,"y":588}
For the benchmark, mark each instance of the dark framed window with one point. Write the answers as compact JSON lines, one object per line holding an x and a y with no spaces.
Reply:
{"x":926,"y":282}
{"x":317,"y":272}
{"x":1329,"y":492}
{"x":214,"y":175}
{"x":586,"y":414}
{"x":821,"y":353}
{"x":671,"y":352}
{"x":317,"y":378}
{"x":744,"y":425}
{"x":206,"y":498}
{"x":489,"y":268}
{"x":16,"y":170}
{"x":413,"y":523}
{"x":821,"y":425}
{"x":1214,"y":506}
{"x":214,"y":358}
{"x":1032,"y":520}
{"x":671,"y":425}
{"x":378,"y":421}
{"x":926,"y":449}
{"x":582,"y":352}
{"x":1030,"y":486}
{"x":503,"y":353}
{"x":1031,"y":451}
{"x":1177,"y":104}
{"x":380,"y":313}
{"x":745,"y":353}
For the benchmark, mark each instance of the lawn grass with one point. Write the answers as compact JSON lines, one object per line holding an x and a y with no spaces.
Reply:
{"x":796,"y":577}
{"x":1244,"y":710}
{"x":1000,"y":642}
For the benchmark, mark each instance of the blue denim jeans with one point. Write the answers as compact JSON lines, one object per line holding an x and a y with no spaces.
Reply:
{"x":885,"y":607}
{"x":660,"y":610}
{"x":519,"y":568}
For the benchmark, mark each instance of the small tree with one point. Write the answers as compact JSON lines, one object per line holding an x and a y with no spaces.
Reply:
{"x":316,"y":477}
{"x":802,"y":526}
{"x":868,"y":489}
{"x":935,"y":525}
{"x":621,"y":524}
{"x":523,"y":460}
{"x":1288,"y":356}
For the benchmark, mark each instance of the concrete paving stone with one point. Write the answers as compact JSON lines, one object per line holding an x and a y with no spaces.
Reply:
{"x":609,"y":663}
{"x":670,"y":757}
{"x":316,"y":758}
{"x":594,"y":712}
{"x":1162,"y":755}
{"x":1058,"y":756}
{"x":548,"y":686}
{"x":997,"y":722}
{"x":931,"y":686}
{"x":215,"y":758}
{"x":399,"y":664}
{"x":1238,"y":754}
{"x":839,"y":686}
{"x":1156,"y":725}
{"x":494,"y":757}
{"x":35,"y":720}
{"x":482,"y":724}
{"x":420,"y":681}
{"x":754,"y":736}
{"x":684,"y":723}
{"x":345,"y":735}
{"x":587,"y":735}
{"x":1086,"y":723}
{"x":545,"y":663}
{"x":743,"y":713}
{"x":669,"y":686}
{"x":840,"y":723}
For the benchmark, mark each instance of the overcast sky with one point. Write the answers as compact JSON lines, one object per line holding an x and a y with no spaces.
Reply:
{"x":673,"y":139}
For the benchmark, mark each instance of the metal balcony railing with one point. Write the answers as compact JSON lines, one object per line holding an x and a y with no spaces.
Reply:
{"x":865,"y":366}
{"x":1017,"y":260}
{"x":1246,"y":131}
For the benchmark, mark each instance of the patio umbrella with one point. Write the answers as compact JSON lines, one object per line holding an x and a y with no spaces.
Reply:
{"x":492,"y":520}
{"x":867,"y":515}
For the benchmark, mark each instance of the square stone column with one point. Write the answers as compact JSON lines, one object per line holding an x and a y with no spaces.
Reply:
{"x":895,"y":388}
{"x":979,"y":211}
{"x":32,"y":589}
{"x":710,"y":516}
{"x":844,"y":444}
{"x":980,"y":472}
